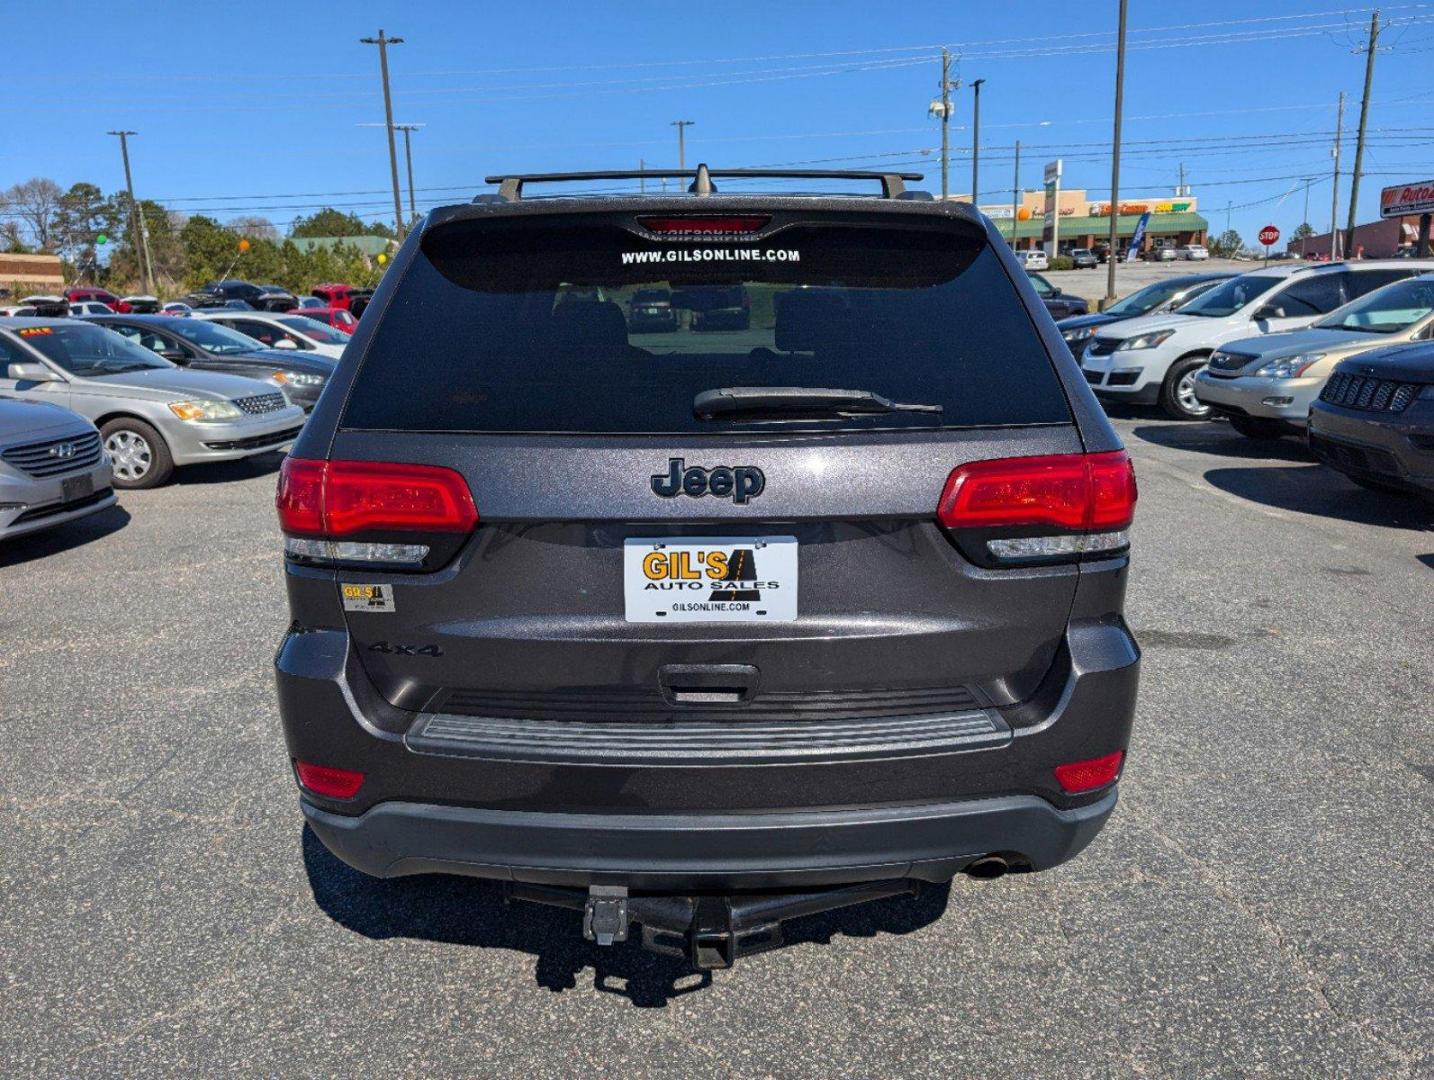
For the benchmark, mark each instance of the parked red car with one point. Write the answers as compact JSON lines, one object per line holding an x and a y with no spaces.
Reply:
{"x":347,"y":297}
{"x":337,"y":317}
{"x":103,"y":296}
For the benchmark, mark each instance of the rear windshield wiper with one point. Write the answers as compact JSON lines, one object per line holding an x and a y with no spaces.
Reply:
{"x":727,"y":401}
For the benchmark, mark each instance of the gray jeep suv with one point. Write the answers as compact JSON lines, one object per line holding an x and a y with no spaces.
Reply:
{"x":700,"y":630}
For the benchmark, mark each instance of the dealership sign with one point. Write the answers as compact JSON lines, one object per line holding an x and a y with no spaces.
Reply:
{"x":1402,"y":199}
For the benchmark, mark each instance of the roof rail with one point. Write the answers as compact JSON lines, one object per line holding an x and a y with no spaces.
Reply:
{"x":510,"y":187}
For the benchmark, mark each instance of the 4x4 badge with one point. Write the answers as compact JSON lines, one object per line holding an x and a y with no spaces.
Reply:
{"x":738,"y":482}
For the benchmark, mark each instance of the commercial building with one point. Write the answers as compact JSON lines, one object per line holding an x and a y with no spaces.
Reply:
{"x":21,"y":274}
{"x":1084,"y":222}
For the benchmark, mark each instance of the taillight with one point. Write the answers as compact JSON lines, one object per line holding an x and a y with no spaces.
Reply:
{"x":1056,"y":506}
{"x":328,"y":781}
{"x":1075,"y":777}
{"x":322,"y":502}
{"x":729,"y":225}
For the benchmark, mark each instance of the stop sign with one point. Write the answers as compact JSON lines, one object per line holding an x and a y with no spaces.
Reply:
{"x":1269,"y":235}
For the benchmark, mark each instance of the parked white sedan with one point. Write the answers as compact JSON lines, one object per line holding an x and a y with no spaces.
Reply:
{"x":281,"y":330}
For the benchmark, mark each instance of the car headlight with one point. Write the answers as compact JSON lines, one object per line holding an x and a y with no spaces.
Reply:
{"x":1427,"y":394}
{"x":1290,"y":367}
{"x":297,"y":378}
{"x":1146,"y":341}
{"x":205,"y":410}
{"x":1079,"y":334}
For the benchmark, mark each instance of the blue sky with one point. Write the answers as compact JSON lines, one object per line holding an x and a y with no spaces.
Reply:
{"x":255,"y":111}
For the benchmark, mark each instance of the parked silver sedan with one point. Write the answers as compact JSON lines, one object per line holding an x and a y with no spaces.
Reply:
{"x":151,"y":414}
{"x":52,"y":469}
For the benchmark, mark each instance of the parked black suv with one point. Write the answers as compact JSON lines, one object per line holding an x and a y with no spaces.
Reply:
{"x":713,"y":630}
{"x":1374,"y":419}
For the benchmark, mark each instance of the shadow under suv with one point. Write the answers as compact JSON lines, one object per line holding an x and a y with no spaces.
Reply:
{"x":700,"y":631}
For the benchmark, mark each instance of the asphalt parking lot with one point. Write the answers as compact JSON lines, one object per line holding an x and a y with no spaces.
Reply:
{"x":1090,"y":283}
{"x":1258,"y":906}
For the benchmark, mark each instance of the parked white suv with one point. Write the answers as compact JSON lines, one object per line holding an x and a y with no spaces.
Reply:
{"x":1034,"y":259}
{"x":1154,"y":359}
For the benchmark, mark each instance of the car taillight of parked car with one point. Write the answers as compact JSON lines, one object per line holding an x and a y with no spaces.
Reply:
{"x":369,"y":512}
{"x":1053,"y":508}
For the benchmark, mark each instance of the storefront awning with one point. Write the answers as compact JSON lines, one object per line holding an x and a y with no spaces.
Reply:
{"x":1160,"y":225}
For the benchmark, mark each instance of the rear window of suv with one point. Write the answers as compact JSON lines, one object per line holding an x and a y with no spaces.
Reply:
{"x":520,"y":325}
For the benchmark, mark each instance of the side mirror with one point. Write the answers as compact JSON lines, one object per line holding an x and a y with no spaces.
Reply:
{"x":285,"y":343}
{"x":35,"y":373}
{"x":1269,"y":311}
{"x":174,"y":356}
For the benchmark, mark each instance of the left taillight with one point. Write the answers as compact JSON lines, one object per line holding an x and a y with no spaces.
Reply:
{"x":1052,"y":507}
{"x":346,"y":511}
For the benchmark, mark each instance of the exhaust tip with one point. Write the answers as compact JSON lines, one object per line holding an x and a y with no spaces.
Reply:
{"x":988,"y":867}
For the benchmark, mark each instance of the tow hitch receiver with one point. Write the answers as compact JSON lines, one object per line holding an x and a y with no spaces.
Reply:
{"x":709,"y":931}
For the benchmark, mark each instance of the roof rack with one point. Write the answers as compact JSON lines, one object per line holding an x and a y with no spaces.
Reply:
{"x":510,"y":188}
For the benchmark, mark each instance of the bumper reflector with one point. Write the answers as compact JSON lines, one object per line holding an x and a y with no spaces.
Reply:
{"x":1075,"y":777}
{"x":330,"y":782}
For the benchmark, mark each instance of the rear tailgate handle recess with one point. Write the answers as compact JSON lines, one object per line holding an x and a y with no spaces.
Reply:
{"x":708,"y":684}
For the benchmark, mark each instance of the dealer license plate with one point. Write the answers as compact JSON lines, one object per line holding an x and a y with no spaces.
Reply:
{"x":713,"y":579}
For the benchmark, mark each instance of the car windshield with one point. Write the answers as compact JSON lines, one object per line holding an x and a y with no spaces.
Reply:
{"x":89,"y":351}
{"x":216,"y":339}
{"x":312,"y":328}
{"x":1230,"y":296}
{"x":1146,"y":299}
{"x":1385,"y":311}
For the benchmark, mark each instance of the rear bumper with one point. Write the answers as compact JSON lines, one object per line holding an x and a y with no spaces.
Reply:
{"x":814,"y":816}
{"x":733,"y":851}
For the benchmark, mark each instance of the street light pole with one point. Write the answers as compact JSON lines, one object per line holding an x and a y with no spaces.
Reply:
{"x":141,"y":238}
{"x":682,"y":126}
{"x":976,"y":142}
{"x":383,"y":42}
{"x":1115,"y":160}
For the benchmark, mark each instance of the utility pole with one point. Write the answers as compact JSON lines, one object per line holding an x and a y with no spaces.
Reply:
{"x":1334,"y":197}
{"x":976,"y":142}
{"x":383,"y":43}
{"x":1359,"y":142}
{"x":1016,"y":196}
{"x":945,"y":121}
{"x":1305,"y":220}
{"x":407,"y":130}
{"x":682,"y":126}
{"x":1180,"y":184}
{"x":141,"y":239}
{"x":1115,"y":161}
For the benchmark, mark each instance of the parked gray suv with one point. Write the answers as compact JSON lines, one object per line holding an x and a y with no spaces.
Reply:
{"x":52,"y":469}
{"x":700,"y":630}
{"x":152,"y":415}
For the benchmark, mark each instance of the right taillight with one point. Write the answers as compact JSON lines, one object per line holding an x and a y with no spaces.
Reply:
{"x":1053,"y":507}
{"x":370,"y":511}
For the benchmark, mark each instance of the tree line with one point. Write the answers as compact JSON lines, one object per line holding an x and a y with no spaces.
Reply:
{"x":187,"y":250}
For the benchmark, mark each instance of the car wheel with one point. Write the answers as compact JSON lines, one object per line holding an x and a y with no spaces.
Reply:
{"x":138,"y":454}
{"x":1256,"y":427}
{"x":1177,"y":393}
